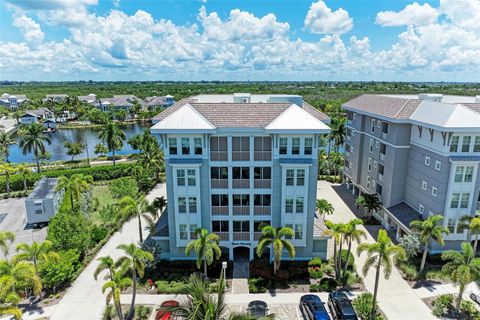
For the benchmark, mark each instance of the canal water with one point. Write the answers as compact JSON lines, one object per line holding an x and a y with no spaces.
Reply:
{"x":87,"y":136}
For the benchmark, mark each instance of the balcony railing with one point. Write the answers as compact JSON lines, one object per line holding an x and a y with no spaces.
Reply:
{"x":384,"y":135}
{"x":380,"y":177}
{"x":257,"y":236}
{"x":241,"y":236}
{"x":261,"y":210}
{"x":220,"y":210}
{"x":241,"y":211}
{"x":222,"y":235}
{"x":262,"y":183}
{"x":219,"y":183}
{"x":218,"y":155}
{"x":240,"y":155}
{"x":241,"y":183}
{"x":262,"y":155}
{"x":382,"y":156}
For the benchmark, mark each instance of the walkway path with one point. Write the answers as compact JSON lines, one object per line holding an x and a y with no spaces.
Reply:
{"x":240,"y":276}
{"x":395,"y":297}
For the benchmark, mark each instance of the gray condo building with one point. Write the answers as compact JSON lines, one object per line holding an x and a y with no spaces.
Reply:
{"x":420,"y":154}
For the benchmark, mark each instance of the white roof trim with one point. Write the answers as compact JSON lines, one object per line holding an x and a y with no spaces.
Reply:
{"x":185,"y":118}
{"x":298,"y":120}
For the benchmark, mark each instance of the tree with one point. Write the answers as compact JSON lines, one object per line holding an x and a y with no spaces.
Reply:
{"x":35,"y":253}
{"x":429,"y":230}
{"x":370,"y":203}
{"x":350,"y":234}
{"x":7,"y":170}
{"x":338,"y":131}
{"x":380,"y":254}
{"x":6,"y":141}
{"x":473,"y":226}
{"x":125,"y":186}
{"x":134,"y":260}
{"x":74,"y":186}
{"x":104,"y":263}
{"x":24,"y":172}
{"x":206,"y":248}
{"x":74,"y":148}
{"x":324,"y":208}
{"x":113,"y":137}
{"x":335,"y":230}
{"x":462,"y":267}
{"x":101,"y":149}
{"x":130,"y":207}
{"x":117,"y":283}
{"x":58,"y":273}
{"x":33,"y":140}
{"x":411,"y":244}
{"x":69,"y":230}
{"x":5,"y":237}
{"x":23,"y":274}
{"x":277,"y":238}
{"x":9,"y":299}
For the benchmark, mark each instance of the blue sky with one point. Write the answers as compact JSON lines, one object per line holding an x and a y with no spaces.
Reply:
{"x":240,"y":40}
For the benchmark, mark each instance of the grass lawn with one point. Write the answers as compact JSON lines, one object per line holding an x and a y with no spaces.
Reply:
{"x":103,"y":195}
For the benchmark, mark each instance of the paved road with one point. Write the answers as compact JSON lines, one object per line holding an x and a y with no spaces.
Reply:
{"x":395,"y":297}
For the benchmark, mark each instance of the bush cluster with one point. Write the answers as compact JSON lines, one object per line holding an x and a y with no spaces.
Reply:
{"x":171,"y":287}
{"x":257,"y":285}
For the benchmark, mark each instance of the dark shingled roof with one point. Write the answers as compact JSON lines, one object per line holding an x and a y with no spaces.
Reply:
{"x":389,"y":107}
{"x":404,"y":213}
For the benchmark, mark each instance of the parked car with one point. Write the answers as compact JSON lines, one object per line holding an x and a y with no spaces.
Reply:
{"x":164,"y":313}
{"x":340,"y":306}
{"x":312,"y":308}
{"x":475,"y":296}
{"x":257,"y":308}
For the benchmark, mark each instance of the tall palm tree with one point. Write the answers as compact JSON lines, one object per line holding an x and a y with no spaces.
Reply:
{"x":9,"y":299}
{"x":380,"y":254}
{"x":118,"y":282}
{"x":350,"y":234}
{"x":134,"y":260}
{"x":370,"y":203}
{"x":105,"y":263}
{"x":324,"y":208}
{"x":206,"y":248}
{"x":473,"y":226}
{"x":112,"y":136}
{"x":7,"y":170}
{"x":6,"y":141}
{"x":23,"y":274}
{"x":5,"y":237}
{"x":462,"y":267}
{"x":338,"y":131}
{"x":35,"y":253}
{"x":33,"y":140}
{"x":24,"y":172}
{"x":130,"y":207}
{"x":429,"y":230}
{"x":277,"y":238}
{"x":75,"y":186}
{"x":335,"y":230}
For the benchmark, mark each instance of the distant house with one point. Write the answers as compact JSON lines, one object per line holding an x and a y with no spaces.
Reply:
{"x":43,"y":202}
{"x":55,"y":97}
{"x":116,"y":103}
{"x":11,"y":101}
{"x":50,"y":124}
{"x":90,"y":98}
{"x":28,"y":118}
{"x":152,"y":103}
{"x":33,"y":116}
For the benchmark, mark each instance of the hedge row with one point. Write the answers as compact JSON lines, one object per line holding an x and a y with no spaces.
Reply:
{"x":98,"y":173}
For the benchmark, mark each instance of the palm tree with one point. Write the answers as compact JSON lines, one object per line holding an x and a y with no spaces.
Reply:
{"x":33,"y":140}
{"x":6,"y":236}
{"x":338,"y":131}
{"x":9,"y":299}
{"x":324,"y":208}
{"x":6,"y":141}
{"x":35,"y":253}
{"x":130,"y":207}
{"x":351,"y":234}
{"x":134,"y":260}
{"x":75,"y":186}
{"x":429,"y":230}
{"x":7,"y":170}
{"x":473,"y":225}
{"x":23,"y":275}
{"x":206,"y":248}
{"x":105,"y":263}
{"x":462,"y":267}
{"x":335,"y":230}
{"x":24,"y":172}
{"x":370,"y":203}
{"x":118,"y":282}
{"x":278,"y":239}
{"x":112,"y":136}
{"x":380,"y":254}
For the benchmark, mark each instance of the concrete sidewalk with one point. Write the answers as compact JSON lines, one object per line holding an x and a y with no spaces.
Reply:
{"x":395,"y":297}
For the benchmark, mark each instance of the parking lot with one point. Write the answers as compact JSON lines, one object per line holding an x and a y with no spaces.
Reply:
{"x":13,"y":218}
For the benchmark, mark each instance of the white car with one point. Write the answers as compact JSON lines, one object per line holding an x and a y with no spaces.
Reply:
{"x":475,"y":296}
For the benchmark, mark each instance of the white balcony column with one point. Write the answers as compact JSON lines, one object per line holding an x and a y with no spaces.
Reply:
{"x":229,"y":149}
{"x":251,"y":149}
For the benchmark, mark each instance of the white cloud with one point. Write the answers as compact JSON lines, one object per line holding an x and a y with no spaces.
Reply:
{"x":321,"y":19}
{"x":49,"y":4}
{"x":30,"y":29}
{"x":412,"y":14}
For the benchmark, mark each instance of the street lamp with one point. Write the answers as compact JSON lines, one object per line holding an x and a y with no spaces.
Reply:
{"x":224,"y":269}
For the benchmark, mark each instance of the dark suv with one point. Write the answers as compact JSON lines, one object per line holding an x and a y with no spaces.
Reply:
{"x":312,"y":308}
{"x":340,"y":306}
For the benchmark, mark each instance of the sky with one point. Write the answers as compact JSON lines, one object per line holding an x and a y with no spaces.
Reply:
{"x":277,"y":40}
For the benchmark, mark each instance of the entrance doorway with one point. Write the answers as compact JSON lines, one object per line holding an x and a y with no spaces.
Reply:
{"x":241,"y":254}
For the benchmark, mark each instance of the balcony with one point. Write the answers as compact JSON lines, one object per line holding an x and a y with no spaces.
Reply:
{"x":219,"y":183}
{"x":222,"y":235}
{"x":384,"y":135}
{"x":241,"y":183}
{"x":220,"y":210}
{"x":241,"y":236}
{"x":261,"y":210}
{"x":241,"y":210}
{"x":240,"y":155}
{"x":257,"y":236}
{"x":262,"y":183}
{"x":382,"y":156}
{"x":380,"y":177}
{"x":218,"y":155}
{"x":262,"y":155}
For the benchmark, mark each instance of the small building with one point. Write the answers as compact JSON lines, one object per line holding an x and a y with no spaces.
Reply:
{"x":43,"y":202}
{"x":33,"y":116}
{"x":55,"y":97}
{"x":90,"y":98}
{"x":12,"y":102}
{"x":50,"y":124}
{"x":28,"y":118}
{"x":152,"y":103}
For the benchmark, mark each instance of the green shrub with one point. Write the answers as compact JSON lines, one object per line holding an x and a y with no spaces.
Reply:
{"x":257,"y":285}
{"x":363,"y":305}
{"x":328,"y":284}
{"x":315,"y":272}
{"x":442,"y":304}
{"x":171,"y":287}
{"x":314,"y":287}
{"x":97,"y":234}
{"x":409,"y":271}
{"x":142,"y":312}
{"x":351,"y":259}
{"x":56,"y":274}
{"x":328,"y":269}
{"x":469,"y":311}
{"x":352,"y":278}
{"x":125,"y":186}
{"x":69,"y":230}
{"x":315,"y":262}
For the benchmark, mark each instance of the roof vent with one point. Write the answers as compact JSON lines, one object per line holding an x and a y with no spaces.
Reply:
{"x":431,"y":97}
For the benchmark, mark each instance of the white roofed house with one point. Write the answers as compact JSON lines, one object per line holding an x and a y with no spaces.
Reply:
{"x":155,"y":102}
{"x":237,"y":162}
{"x":90,"y":98}
{"x":12,"y":102}
{"x":55,"y":97}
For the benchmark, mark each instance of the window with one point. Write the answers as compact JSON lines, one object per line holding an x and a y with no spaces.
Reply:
{"x":454,"y":144}
{"x":263,"y":200}
{"x":193,"y":229}
{"x":185,"y":145}
{"x":197,"y":145}
{"x":424,"y":185}
{"x":459,"y":173}
{"x":370,"y":148}
{"x":383,"y":149}
{"x":427,"y":160}
{"x":468,"y":174}
{"x":299,"y":205}
{"x":421,"y":209}
{"x":183,"y":231}
{"x":438,"y":165}
{"x":283,"y":145}
{"x":192,"y":205}
{"x":300,"y":177}
{"x":191,"y":177}
{"x":464,"y":201}
{"x":241,"y":226}
{"x":241,"y":173}
{"x":308,"y":146}
{"x":451,"y":225}
{"x":384,"y":127}
{"x":476,"y":144}
{"x":295,"y":145}
{"x":298,"y":231}
{"x":241,"y":200}
{"x":219,"y":173}
{"x":219,"y":200}
{"x":39,"y":211}
{"x":180,"y":177}
{"x":290,"y":177}
{"x":182,"y":205}
{"x":241,"y":148}
{"x":288,"y":205}
{"x":379,"y":124}
{"x":172,"y":145}
{"x":375,"y":163}
{"x":262,"y":173}
{"x":220,"y":226}
{"x":262,"y":147}
{"x":466,"y":143}
{"x":260,"y":224}
{"x":373,"y":126}
{"x":368,"y":182}
{"x":434,"y":191}
{"x":379,"y":189}
{"x":377,"y":144}
{"x":455,"y":200}
{"x":369,"y":167}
